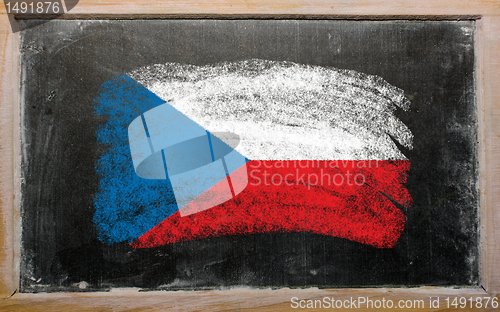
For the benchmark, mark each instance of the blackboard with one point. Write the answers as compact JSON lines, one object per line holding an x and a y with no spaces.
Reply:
{"x":66,"y":63}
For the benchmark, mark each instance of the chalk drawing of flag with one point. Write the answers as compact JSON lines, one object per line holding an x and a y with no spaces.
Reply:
{"x":238,"y":148}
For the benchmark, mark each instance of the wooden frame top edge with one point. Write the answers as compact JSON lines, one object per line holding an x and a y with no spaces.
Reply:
{"x":288,"y":7}
{"x":243,"y":16}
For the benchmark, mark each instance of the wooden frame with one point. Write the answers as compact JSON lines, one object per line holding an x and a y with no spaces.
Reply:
{"x":487,"y":14}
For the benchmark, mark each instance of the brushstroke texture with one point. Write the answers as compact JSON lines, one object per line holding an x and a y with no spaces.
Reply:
{"x":282,"y":111}
{"x":287,"y":111}
{"x":126,"y":205}
{"x":292,"y":198}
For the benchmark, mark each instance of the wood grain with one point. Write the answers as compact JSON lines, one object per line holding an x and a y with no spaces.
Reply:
{"x":9,"y":76}
{"x":243,"y":299}
{"x":488,"y":77}
{"x":299,"y":7}
{"x":490,"y":164}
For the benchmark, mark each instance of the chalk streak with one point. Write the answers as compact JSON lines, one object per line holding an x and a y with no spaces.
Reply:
{"x":287,"y":111}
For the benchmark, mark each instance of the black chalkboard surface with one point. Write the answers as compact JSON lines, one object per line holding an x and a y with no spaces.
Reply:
{"x":334,"y":94}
